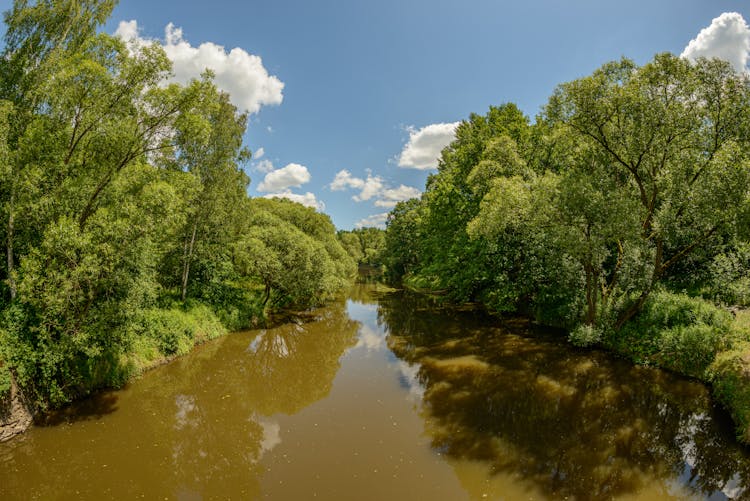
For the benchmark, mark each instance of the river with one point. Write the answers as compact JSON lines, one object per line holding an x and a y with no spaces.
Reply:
{"x":386,"y":396}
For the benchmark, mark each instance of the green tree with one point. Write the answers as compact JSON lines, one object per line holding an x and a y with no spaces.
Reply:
{"x":207,"y":144}
{"x":671,"y":139}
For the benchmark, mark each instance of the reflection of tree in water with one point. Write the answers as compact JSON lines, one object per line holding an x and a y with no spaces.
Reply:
{"x":282,"y":370}
{"x":367,"y":293}
{"x":295,"y":364}
{"x":197,"y":427}
{"x":574,"y":423}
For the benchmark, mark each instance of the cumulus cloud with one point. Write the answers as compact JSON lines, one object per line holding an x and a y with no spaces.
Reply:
{"x":368,"y":188}
{"x":372,"y":187}
{"x":422,"y":151}
{"x":290,"y":176}
{"x":376,"y":220}
{"x":344,"y":180}
{"x":264,"y":166}
{"x":728,"y":38}
{"x":390,"y":197}
{"x":237,"y":72}
{"x":307,"y":199}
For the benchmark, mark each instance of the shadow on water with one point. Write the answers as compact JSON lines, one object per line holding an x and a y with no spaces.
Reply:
{"x":574,"y":423}
{"x":95,"y":406}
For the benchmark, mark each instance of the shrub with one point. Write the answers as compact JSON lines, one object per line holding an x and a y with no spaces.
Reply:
{"x":730,"y":378}
{"x":585,"y":335}
{"x":175,"y":331}
{"x":675,"y":331}
{"x":4,"y":384}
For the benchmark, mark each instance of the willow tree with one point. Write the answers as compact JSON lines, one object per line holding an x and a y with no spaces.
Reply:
{"x":673,"y":136}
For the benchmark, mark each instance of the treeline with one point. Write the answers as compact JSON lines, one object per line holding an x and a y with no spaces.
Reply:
{"x":364,"y":245}
{"x":621,"y":214}
{"x":127,"y":230}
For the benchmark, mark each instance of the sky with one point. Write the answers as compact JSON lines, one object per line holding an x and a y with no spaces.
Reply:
{"x":350,"y":101}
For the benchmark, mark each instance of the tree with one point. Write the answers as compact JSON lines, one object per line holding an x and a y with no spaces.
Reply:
{"x":207,"y":144}
{"x":671,"y":139}
{"x":293,"y":267}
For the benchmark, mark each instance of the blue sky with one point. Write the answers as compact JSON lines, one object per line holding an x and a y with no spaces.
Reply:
{"x":360,"y":79}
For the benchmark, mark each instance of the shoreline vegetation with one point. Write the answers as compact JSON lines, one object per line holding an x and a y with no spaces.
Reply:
{"x":128,"y":235}
{"x":620,"y":214}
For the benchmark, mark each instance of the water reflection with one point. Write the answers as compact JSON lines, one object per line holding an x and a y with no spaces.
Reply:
{"x":195,"y":429}
{"x":385,"y":397}
{"x":571,"y":423}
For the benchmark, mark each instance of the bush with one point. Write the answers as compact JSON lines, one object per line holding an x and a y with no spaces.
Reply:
{"x":728,"y":276}
{"x":4,"y":384}
{"x":730,"y":378}
{"x":675,"y":331}
{"x":175,"y":331}
{"x":585,"y":335}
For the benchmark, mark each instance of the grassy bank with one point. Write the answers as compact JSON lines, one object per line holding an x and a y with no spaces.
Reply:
{"x":729,"y":375}
{"x":149,"y":338}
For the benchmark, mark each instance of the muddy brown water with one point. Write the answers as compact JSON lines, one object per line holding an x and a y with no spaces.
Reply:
{"x":386,"y":396}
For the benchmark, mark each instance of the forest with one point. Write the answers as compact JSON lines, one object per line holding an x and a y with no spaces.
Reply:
{"x":620,"y":214}
{"x":127,"y":232}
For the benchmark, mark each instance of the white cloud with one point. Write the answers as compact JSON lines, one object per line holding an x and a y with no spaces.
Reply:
{"x":238,"y":72}
{"x":344,"y":180}
{"x":308,"y":199}
{"x":128,"y":31}
{"x":259,"y":153}
{"x":425,"y":144}
{"x":264,"y":165}
{"x":290,"y":176}
{"x":390,"y":197}
{"x":368,"y":188}
{"x":376,"y":220}
{"x":728,"y":38}
{"x":372,"y":187}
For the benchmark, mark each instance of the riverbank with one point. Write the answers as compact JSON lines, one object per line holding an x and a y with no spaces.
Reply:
{"x":469,"y":405}
{"x":685,"y":335}
{"x":158,"y":336}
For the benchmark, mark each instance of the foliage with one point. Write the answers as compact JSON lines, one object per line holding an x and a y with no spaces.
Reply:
{"x":294,"y":252}
{"x":364,"y":245}
{"x":122,"y":203}
{"x":730,"y":377}
{"x":5,"y":385}
{"x":676,"y":331}
{"x":630,"y":179}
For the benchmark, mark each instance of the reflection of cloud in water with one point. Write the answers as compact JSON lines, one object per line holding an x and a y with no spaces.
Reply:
{"x":185,"y":406}
{"x":371,"y":339}
{"x":685,"y":440}
{"x":271,"y":436}
{"x":253,"y":346}
{"x":409,"y":380}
